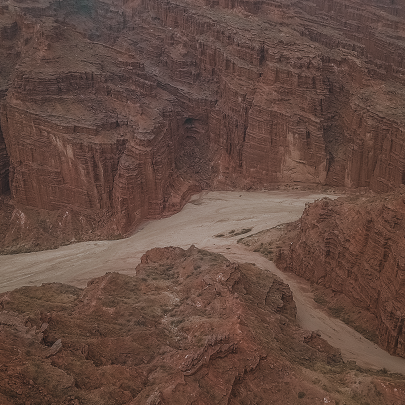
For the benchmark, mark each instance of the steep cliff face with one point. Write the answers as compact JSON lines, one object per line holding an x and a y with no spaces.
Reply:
{"x":94,"y":136}
{"x":9,"y":54}
{"x":364,"y":138}
{"x":122,"y":110}
{"x":4,"y":166}
{"x":357,"y":248}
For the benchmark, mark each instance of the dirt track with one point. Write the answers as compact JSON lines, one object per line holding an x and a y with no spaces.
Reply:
{"x":207,"y":215}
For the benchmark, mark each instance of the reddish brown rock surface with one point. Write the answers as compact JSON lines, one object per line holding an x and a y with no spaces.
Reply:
{"x":8,"y":59}
{"x":189,"y":327}
{"x":119,"y":111}
{"x":355,"y":247}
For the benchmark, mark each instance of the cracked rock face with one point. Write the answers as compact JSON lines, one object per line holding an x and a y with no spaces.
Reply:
{"x":355,"y":247}
{"x":115,"y":112}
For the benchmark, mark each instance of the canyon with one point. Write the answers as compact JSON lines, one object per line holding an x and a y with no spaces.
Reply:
{"x":114,"y":113}
{"x":65,"y":343}
{"x":117,"y":112}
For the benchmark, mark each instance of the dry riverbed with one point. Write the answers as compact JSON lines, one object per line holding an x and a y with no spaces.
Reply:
{"x":207,"y":215}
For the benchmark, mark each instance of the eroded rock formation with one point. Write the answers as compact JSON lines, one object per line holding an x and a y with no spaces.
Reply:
{"x":8,"y":58}
{"x":356,"y":247}
{"x":189,"y":327}
{"x":119,"y":111}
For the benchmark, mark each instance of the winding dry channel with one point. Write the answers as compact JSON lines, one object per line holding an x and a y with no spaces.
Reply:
{"x":205,"y":216}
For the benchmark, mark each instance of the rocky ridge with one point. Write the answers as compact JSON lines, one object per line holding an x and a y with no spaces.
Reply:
{"x":116,"y":112}
{"x":188,"y":326}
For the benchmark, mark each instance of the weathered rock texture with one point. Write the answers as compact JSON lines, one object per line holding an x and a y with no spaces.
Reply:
{"x":190,"y":327}
{"x":119,"y":111}
{"x":357,"y":248}
{"x":8,"y":58}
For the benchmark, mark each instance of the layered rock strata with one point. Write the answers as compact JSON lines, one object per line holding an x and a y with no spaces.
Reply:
{"x":4,"y":166}
{"x":120,"y":111}
{"x":189,"y":326}
{"x":9,"y":55}
{"x":356,"y":248}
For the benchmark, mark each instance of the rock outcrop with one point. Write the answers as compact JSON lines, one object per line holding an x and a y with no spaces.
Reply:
{"x":355,"y":247}
{"x":190,"y":326}
{"x":119,"y":111}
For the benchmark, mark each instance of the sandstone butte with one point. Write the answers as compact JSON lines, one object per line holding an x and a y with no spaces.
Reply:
{"x":114,"y":112}
{"x":189,"y":327}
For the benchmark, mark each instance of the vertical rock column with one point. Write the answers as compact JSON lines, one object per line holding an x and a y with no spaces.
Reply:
{"x":144,"y":173}
{"x":4,"y":166}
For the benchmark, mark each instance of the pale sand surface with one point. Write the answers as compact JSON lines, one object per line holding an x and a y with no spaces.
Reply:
{"x":208,"y":214}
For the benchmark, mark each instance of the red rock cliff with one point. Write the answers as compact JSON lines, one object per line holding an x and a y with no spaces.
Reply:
{"x":119,"y":111}
{"x":357,"y":248}
{"x":8,"y":58}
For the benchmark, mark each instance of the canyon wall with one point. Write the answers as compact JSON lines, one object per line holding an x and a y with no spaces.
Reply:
{"x":4,"y":166}
{"x":9,"y":55}
{"x":118,"y":111}
{"x":356,"y":247}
